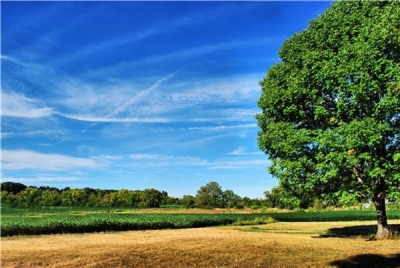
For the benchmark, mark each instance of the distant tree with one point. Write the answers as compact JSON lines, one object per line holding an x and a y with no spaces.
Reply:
{"x":152,"y":198}
{"x":278,"y":197}
{"x":66,"y":198}
{"x":230,"y":199}
{"x":28,"y":198}
{"x":330,"y":117}
{"x":124,"y":198}
{"x":13,"y":187}
{"x":187,"y":201}
{"x":8,"y":199}
{"x":49,"y":197}
{"x":247,"y":202}
{"x":74,"y":197}
{"x":209,"y":196}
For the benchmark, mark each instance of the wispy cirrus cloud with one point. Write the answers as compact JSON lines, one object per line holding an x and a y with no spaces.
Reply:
{"x":167,"y":160}
{"x":140,"y":96}
{"x":222,"y":127}
{"x":41,"y":179}
{"x":114,"y":120}
{"x":183,"y":56}
{"x":78,"y":99}
{"x":25,"y":159}
{"x":242,"y":150}
{"x":56,"y":132}
{"x":127,"y":101}
{"x":224,"y":90}
{"x":238,"y":164}
{"x":159,"y":28}
{"x":239,"y":150}
{"x":118,"y":107}
{"x":17,"y":105}
{"x":161,"y":160}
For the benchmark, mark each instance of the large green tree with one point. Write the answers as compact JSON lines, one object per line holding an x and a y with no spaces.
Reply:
{"x":330,"y":119}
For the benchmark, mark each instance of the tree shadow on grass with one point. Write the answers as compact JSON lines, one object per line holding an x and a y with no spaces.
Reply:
{"x":368,"y":260}
{"x":358,"y":230}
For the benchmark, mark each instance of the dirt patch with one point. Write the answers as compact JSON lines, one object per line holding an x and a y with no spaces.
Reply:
{"x":271,"y":245}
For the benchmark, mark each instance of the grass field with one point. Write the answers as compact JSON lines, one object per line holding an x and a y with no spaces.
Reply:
{"x":280,"y":244}
{"x":84,"y":220}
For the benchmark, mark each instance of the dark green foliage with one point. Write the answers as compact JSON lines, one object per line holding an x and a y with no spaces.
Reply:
{"x":12,"y":187}
{"x":32,"y":197}
{"x":330,"y":120}
{"x":187,"y":201}
{"x":232,"y":200}
{"x":210,"y":196}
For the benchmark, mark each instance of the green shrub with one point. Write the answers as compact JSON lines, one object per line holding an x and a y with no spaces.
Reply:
{"x":255,"y":221}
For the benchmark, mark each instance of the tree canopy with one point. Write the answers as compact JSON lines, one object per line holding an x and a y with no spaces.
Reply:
{"x":210,"y":196}
{"x":330,"y":119}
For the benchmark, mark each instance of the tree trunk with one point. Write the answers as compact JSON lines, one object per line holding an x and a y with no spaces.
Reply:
{"x":384,"y":230}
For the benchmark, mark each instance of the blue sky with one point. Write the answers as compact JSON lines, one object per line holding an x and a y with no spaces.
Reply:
{"x":136,"y":95}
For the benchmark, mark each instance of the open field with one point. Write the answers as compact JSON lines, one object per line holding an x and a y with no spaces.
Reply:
{"x":284,"y":244}
{"x":87,"y":220}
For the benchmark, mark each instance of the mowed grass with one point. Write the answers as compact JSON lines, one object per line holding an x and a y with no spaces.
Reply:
{"x":279,"y":244}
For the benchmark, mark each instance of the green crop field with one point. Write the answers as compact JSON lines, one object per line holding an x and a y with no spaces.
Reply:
{"x":85,"y":220}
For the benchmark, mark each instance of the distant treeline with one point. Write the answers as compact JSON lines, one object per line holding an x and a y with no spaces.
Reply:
{"x":209,"y":196}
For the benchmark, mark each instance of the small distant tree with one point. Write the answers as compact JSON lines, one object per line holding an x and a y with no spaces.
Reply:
{"x":50,"y":197}
{"x":152,"y":198}
{"x":231,"y":200}
{"x":209,"y":196}
{"x":187,"y":201}
{"x":330,"y":119}
{"x":8,"y":198}
{"x":278,"y":197}
{"x":29,"y":198}
{"x":168,"y":200}
{"x":247,"y":202}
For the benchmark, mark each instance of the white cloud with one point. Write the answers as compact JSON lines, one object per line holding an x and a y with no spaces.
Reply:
{"x":241,"y":150}
{"x":140,"y":96}
{"x":226,"y":90}
{"x":106,"y":159}
{"x":181,"y":56}
{"x":167,"y":160}
{"x":113,"y":120}
{"x":16,"y":105}
{"x":238,"y":164}
{"x":138,"y":101}
{"x":40,"y":179}
{"x":24,"y":159}
{"x":57,"y":132}
{"x":160,"y":102}
{"x":223,"y":127}
{"x":118,"y":104}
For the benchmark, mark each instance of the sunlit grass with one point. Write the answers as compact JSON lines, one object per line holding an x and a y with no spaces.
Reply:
{"x":86,"y":220}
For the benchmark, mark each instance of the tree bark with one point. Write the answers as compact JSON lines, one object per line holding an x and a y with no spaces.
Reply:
{"x":383,"y":230}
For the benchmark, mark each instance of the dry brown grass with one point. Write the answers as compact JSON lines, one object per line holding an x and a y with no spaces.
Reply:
{"x":272,"y":245}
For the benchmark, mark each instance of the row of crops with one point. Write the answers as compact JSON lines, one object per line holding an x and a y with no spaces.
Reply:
{"x":97,"y":222}
{"x":108,"y":222}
